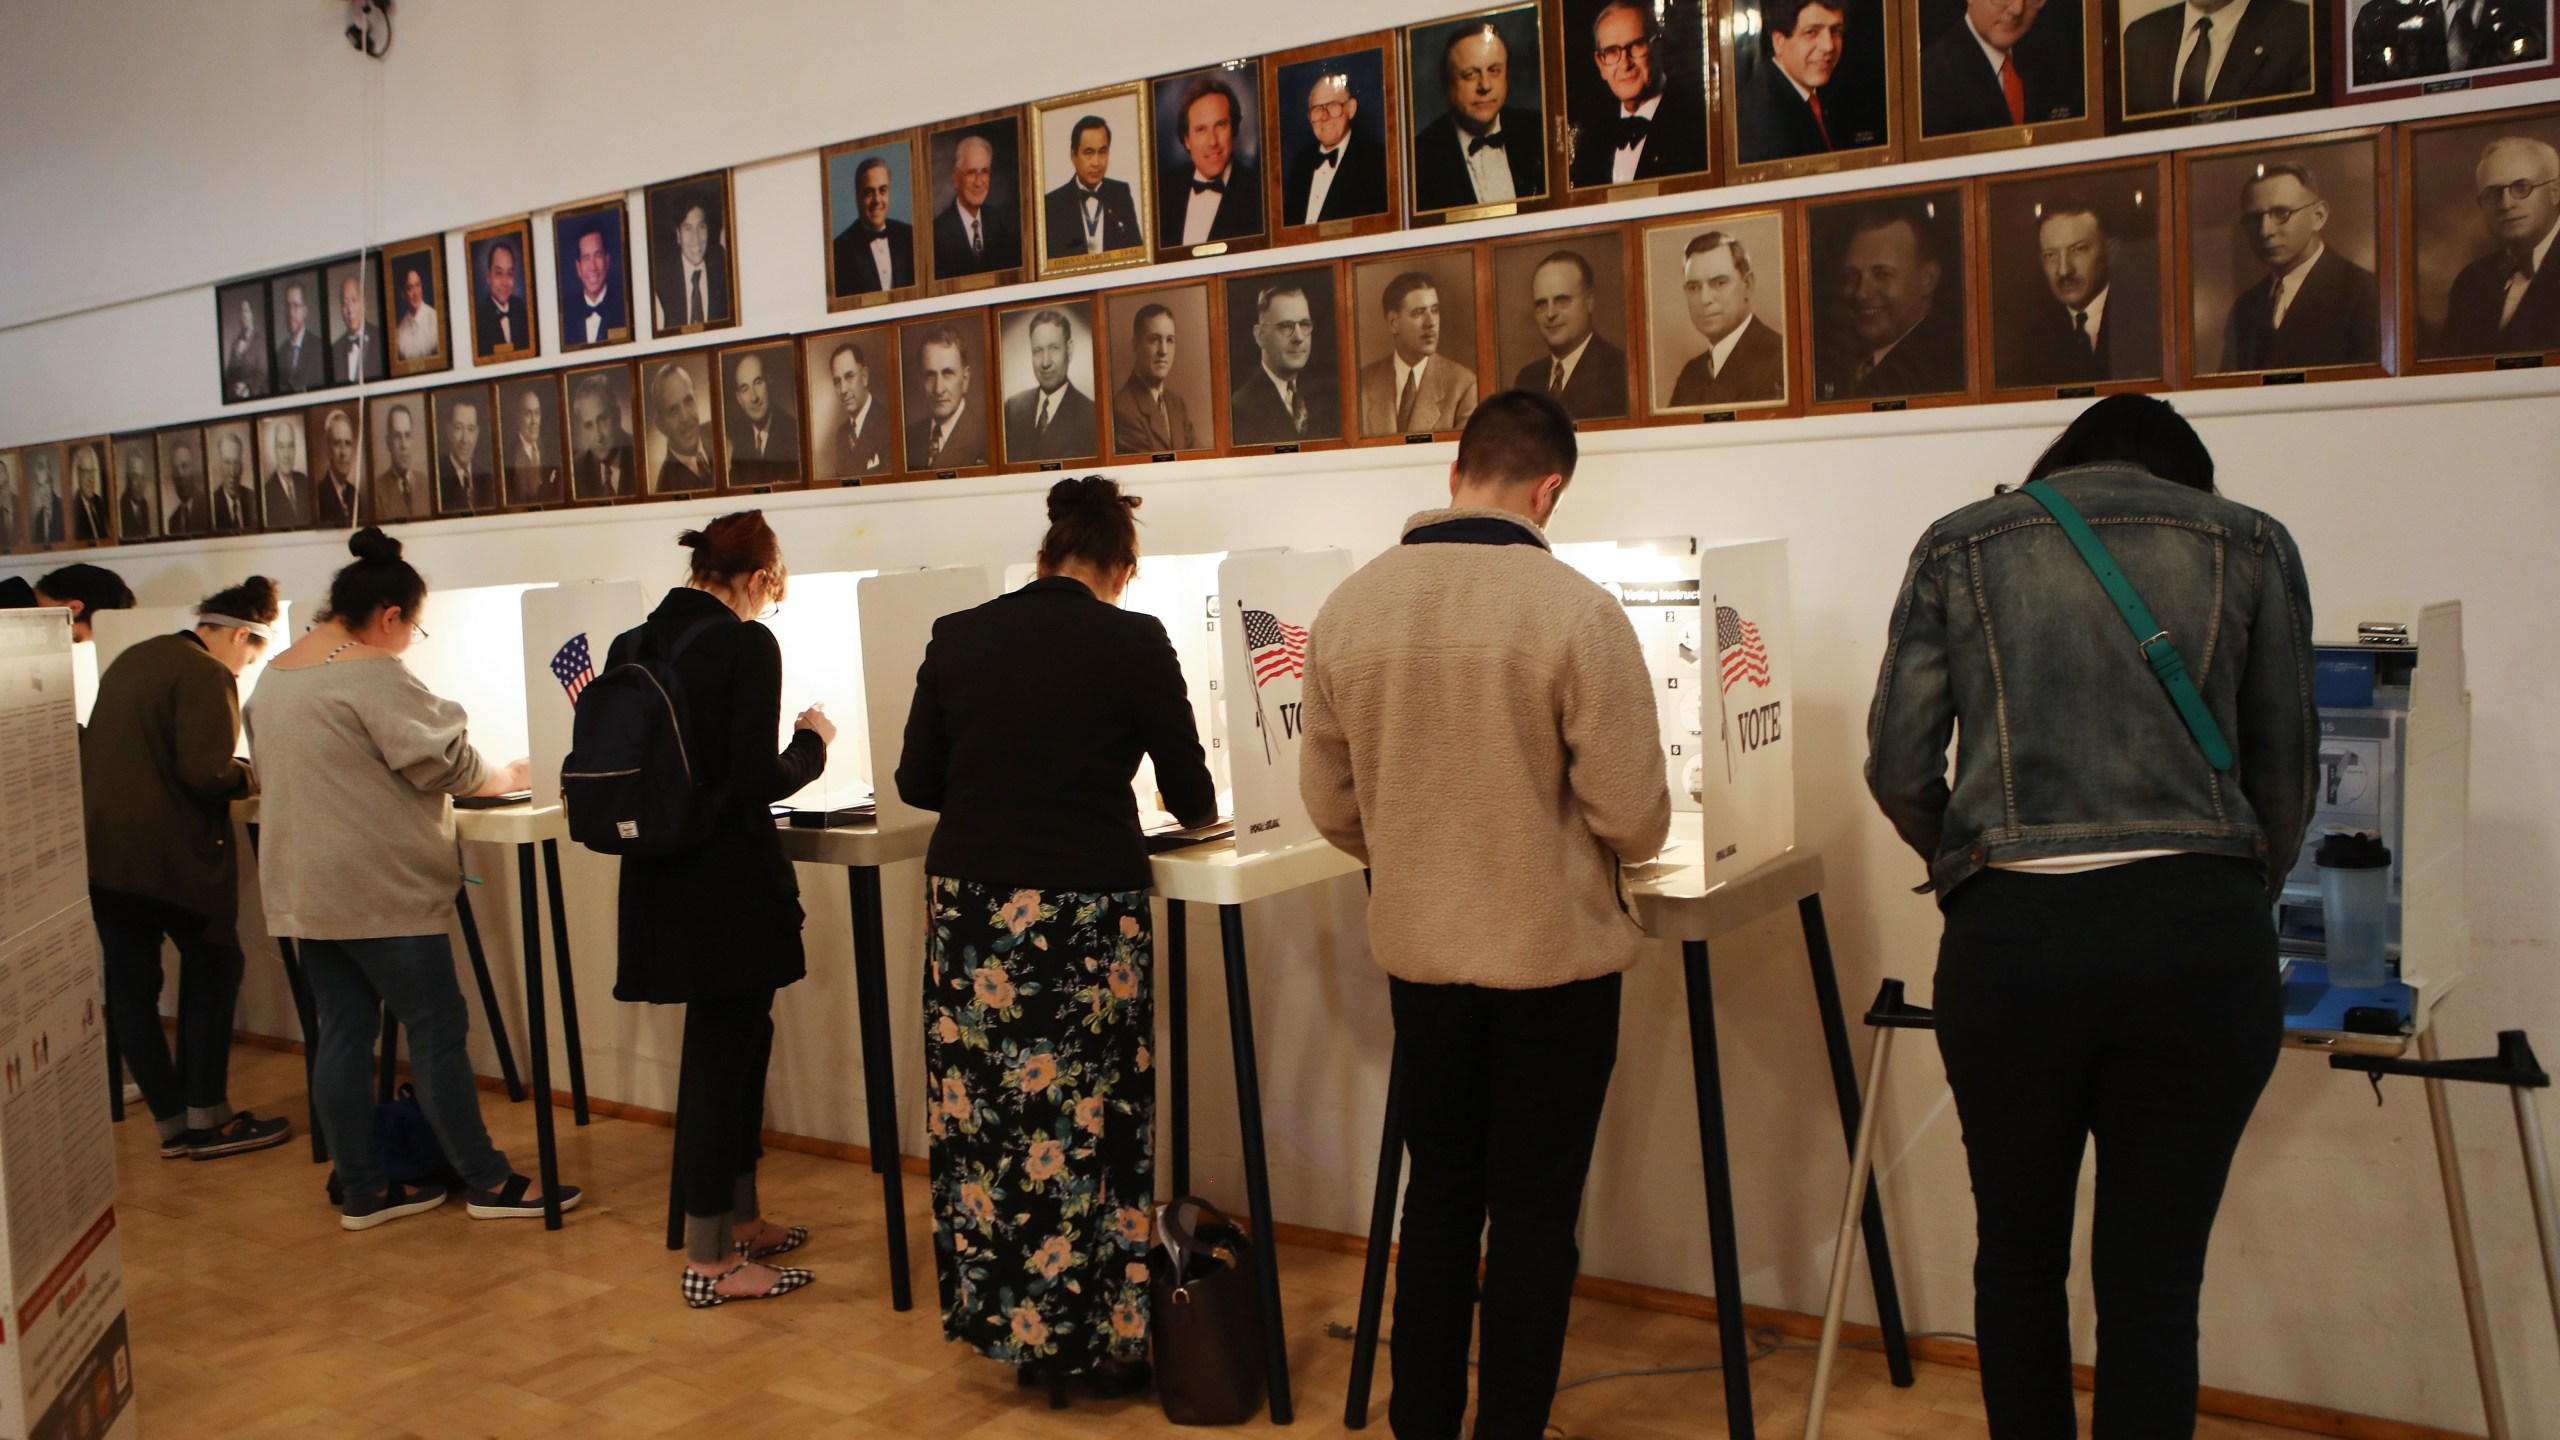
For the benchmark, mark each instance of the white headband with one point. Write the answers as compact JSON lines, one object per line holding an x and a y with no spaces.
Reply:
{"x":259,"y":628}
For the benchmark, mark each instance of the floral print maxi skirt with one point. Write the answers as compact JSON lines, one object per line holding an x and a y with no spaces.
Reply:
{"x":1038,"y":1021}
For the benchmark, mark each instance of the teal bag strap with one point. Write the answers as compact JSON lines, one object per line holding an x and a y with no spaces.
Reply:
{"x":2166,"y":662}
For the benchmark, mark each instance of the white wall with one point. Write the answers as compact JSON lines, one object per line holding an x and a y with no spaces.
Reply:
{"x":2332,"y":1281}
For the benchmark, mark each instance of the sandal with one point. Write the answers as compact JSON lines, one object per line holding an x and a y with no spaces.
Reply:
{"x":508,"y":1201}
{"x":792,"y":1239}
{"x":702,"y":1291}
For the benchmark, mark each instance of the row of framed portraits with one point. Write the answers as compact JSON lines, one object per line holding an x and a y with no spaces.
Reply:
{"x":2352,"y":253}
{"x":1499,"y":111}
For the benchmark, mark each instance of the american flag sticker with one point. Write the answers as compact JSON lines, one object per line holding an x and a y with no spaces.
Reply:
{"x":574,"y":667}
{"x":1740,"y":654}
{"x":1277,"y":647}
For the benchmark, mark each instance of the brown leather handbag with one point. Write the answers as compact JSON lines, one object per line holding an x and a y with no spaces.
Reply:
{"x":1208,"y":1316}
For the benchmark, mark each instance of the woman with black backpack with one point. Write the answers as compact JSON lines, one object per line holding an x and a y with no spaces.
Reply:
{"x":716,"y":927}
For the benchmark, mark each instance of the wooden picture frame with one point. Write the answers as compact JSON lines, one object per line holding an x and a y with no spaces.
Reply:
{"x":942,"y":253}
{"x":234,"y":493}
{"x":90,"y":509}
{"x":2279,"y":61}
{"x":283,"y":440}
{"x":292,"y":370}
{"x":539,"y":481}
{"x":1863,"y":258}
{"x":665,"y":211}
{"x":2052,"y":247}
{"x":1369,"y":173}
{"x":334,"y":508}
{"x":395,"y":425}
{"x":1953,"y":95}
{"x":421,"y":320}
{"x":465,"y":473}
{"x":135,"y":503}
{"x":854,"y":277}
{"x":13,"y":504}
{"x":1445,"y":310}
{"x":1178,"y":418}
{"x":609,"y":320}
{"x":2462,"y":260}
{"x":48,"y":522}
{"x":1241,"y":219}
{"x":242,"y":356}
{"x":1530,"y":306}
{"x":604,"y":446}
{"x":2376,"y":57}
{"x":969,"y":425}
{"x":1266,"y":425}
{"x":1671,"y":64}
{"x":186,"y":509}
{"x":2332,"y":338}
{"x":666,"y":471}
{"x":1124,"y":207}
{"x":869,"y":367}
{"x":1678,"y":379}
{"x":371,"y":352}
{"x":1770,"y":133}
{"x":783,"y":461}
{"x":1074,"y":434}
{"x":1439,"y":186}
{"x":494,"y":255}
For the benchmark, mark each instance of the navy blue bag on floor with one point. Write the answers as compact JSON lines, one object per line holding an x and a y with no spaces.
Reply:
{"x":407,"y":1143}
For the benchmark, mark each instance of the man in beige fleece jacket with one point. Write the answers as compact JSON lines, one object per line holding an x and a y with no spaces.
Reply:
{"x":1480,"y":729}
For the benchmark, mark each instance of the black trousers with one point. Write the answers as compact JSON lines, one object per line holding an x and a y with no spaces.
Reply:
{"x":728,"y":1045}
{"x":130,"y":929}
{"x":2139,"y":1005}
{"x":1502,"y":1097}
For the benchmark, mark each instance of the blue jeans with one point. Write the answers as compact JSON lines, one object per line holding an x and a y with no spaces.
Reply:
{"x":352,"y":981}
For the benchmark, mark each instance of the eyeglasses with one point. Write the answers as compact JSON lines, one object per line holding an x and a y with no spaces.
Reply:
{"x":1612,"y":57}
{"x":2281,"y":214}
{"x":417,"y":631}
{"x":1327,"y":109}
{"x":2518,"y":191}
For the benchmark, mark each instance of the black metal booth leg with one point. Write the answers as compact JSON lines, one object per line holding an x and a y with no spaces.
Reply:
{"x":879,"y":1068}
{"x":538,"y":1040}
{"x":1177,"y":1046}
{"x":1732,"y":1331}
{"x":568,"y":983}
{"x":489,"y":990}
{"x":1844,"y":1084}
{"x":1373,"y":1264}
{"x":1257,"y":1169}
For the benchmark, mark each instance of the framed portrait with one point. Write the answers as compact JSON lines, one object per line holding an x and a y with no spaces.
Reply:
{"x":2071,"y":267}
{"x":13,"y":504}
{"x":693,"y":255}
{"x":298,"y":358}
{"x":851,"y":379}
{"x":1884,"y":280}
{"x":502,"y":303}
{"x":231,"y":466}
{"x":413,"y":290}
{"x":1821,"y":94}
{"x":603,"y":410}
{"x":973,"y":186}
{"x":2169,"y":69}
{"x":1337,"y":163}
{"x":1638,"y":82}
{"x":1475,"y":89}
{"x":284,"y":471}
{"x":1091,"y":164}
{"x":240,"y":314}
{"x":334,"y":439}
{"x":401,"y":441}
{"x":359,"y":351}
{"x":1163,"y":348}
{"x":2393,"y":48}
{"x":2285,"y":259}
{"x":591,"y":245}
{"x":85,"y":467}
{"x":2483,"y":203}
{"x":1209,"y":160}
{"x":48,"y":507}
{"x":760,"y":417}
{"x":1284,"y":358}
{"x":1994,"y":74}
{"x":1047,"y":366}
{"x":1562,"y":321}
{"x":134,"y":487}
{"x":532,"y":445}
{"x":466,"y":472}
{"x":186,"y":493}
{"x":1414,"y":350}
{"x":944,"y":361}
{"x":680,"y":416}
{"x":868,"y":193}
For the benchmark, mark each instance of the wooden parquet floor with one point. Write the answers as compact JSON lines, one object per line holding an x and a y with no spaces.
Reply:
{"x":254,"y":1317}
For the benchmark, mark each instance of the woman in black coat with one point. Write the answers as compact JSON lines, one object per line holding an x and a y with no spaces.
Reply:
{"x":716,"y":929}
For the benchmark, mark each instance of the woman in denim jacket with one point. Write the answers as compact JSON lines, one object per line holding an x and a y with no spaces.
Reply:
{"x":2109,"y":961}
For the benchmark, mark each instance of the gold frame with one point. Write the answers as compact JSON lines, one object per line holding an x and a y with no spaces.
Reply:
{"x":836,"y":299}
{"x":1409,"y":135}
{"x":1142,"y":191}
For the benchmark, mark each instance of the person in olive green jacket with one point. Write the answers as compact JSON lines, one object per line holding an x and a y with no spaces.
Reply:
{"x":158,"y":773}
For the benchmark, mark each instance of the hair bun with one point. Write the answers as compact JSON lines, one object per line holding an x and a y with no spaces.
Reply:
{"x":370,"y":543}
{"x":1087,"y":495}
{"x":693,"y":539}
{"x":261,"y":591}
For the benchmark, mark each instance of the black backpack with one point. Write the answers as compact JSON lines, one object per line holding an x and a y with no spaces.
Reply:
{"x":628,"y":782}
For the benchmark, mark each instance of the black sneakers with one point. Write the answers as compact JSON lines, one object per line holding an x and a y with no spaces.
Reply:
{"x":239,"y":1135}
{"x":508,"y":1201}
{"x":363,"y":1212}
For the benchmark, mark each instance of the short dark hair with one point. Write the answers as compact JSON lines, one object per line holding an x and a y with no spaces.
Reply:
{"x":1402,"y":287}
{"x":1708,"y":240}
{"x":848,"y":347}
{"x":1781,"y":16}
{"x":1515,"y":437}
{"x":1147,"y":312}
{"x":596,"y":388}
{"x":2282,"y":170}
{"x":2135,"y":430}
{"x":1050,"y":317}
{"x":869,"y":162}
{"x":95,"y":586}
{"x":2070,"y":202}
{"x":946,"y":335}
{"x":1075,"y":137}
{"x":1574,"y":258}
{"x":1201,"y":88}
{"x":1467,"y":32}
{"x":1885,"y":214}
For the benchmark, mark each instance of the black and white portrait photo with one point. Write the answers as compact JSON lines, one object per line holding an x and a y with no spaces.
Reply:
{"x":402,"y":489}
{"x":851,"y":379}
{"x":871,"y":219}
{"x":973,"y":173}
{"x":760,"y":429}
{"x":48,"y":512}
{"x":466,"y":480}
{"x":186,"y":491}
{"x":1334,"y":135}
{"x":284,"y":471}
{"x":85,"y":464}
{"x":1989,"y":65}
{"x":359,"y":351}
{"x":1096,"y":197}
{"x":1164,"y":389}
{"x":502,"y":324}
{"x":1044,"y":355}
{"x":136,"y":459}
{"x":679,"y":398}
{"x":240,"y":311}
{"x":1284,"y":385}
{"x":1560,"y":320}
{"x":1475,"y":91}
{"x":1812,"y":82}
{"x":301,"y":358}
{"x":1635,"y":90}
{"x":2074,"y":261}
{"x":693,"y":258}
{"x":413,"y":279}
{"x":1208,"y":138}
{"x":2180,"y":57}
{"x":944,"y":359}
{"x":529,"y":442}
{"x":2283,"y":245}
{"x":591,"y":246}
{"x":603,"y":420}
{"x":13,"y":505}
{"x":335,"y":435}
{"x":231,"y":460}
{"x":1414,"y":343}
{"x":2484,"y":210}
{"x":1885,"y":279}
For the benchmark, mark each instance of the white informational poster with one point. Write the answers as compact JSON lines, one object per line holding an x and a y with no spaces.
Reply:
{"x":898,"y":611}
{"x":1269,"y":599}
{"x":66,"y":1368}
{"x":819,"y":629}
{"x":568,"y":629}
{"x":1748,"y":619}
{"x":473,"y":655}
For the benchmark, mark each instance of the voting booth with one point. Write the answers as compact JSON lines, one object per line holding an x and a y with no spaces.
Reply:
{"x":1268,"y":601}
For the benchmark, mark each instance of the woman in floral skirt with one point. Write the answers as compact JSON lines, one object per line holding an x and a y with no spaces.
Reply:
{"x":1031,"y":715}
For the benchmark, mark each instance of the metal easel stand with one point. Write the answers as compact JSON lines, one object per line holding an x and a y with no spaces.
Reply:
{"x":2514,"y":1067}
{"x":1887,"y":1015}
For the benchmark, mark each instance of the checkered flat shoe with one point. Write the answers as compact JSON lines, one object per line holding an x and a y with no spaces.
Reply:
{"x":792,"y":1239}
{"x":702,"y":1291}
